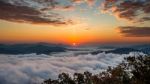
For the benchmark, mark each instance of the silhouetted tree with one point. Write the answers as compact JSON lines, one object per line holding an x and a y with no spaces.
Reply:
{"x":135,"y":70}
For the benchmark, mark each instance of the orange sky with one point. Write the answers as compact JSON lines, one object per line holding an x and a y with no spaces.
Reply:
{"x":16,"y":32}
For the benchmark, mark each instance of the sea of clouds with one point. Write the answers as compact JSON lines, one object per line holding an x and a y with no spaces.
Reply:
{"x":33,"y":68}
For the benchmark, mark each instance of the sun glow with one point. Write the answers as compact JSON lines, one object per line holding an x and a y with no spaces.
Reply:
{"x":74,"y":44}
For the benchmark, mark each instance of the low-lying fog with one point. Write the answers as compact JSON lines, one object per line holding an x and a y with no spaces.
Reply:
{"x":32,"y":68}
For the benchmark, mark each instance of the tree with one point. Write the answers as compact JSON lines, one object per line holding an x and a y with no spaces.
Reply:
{"x":136,"y":70}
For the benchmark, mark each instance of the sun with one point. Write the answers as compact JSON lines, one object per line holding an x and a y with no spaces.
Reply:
{"x":74,"y":44}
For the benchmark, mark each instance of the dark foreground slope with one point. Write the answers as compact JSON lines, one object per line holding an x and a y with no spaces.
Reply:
{"x":39,"y":48}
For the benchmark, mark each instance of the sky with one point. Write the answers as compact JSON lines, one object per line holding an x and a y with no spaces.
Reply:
{"x":75,"y":21}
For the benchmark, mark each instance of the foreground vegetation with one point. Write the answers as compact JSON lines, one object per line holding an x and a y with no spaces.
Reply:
{"x":135,"y":70}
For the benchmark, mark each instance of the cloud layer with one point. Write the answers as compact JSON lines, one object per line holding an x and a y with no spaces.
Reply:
{"x":31,"y":11}
{"x":132,"y":31}
{"x":32,"y":68}
{"x":38,"y":11}
{"x":132,"y":10}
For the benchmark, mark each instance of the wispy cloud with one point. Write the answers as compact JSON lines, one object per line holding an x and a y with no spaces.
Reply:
{"x":31,"y":11}
{"x":132,"y":31}
{"x":132,"y":10}
{"x":89,"y":2}
{"x":64,"y":8}
{"x":137,"y":11}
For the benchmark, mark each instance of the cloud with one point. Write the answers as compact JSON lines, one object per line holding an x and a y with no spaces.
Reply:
{"x":31,"y":11}
{"x":132,"y":31}
{"x":64,"y":8}
{"x":33,"y":69}
{"x":89,"y":2}
{"x":77,"y":1}
{"x":132,"y":10}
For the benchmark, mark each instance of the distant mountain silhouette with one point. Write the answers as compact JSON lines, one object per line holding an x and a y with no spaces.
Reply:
{"x":123,"y":51}
{"x":141,"y":46}
{"x":144,"y":48}
{"x":45,"y":48}
{"x":39,"y":48}
{"x":96,"y":52}
{"x":126,"y":50}
{"x":117,"y":51}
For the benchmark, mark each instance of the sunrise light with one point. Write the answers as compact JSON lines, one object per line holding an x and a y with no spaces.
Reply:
{"x":74,"y":44}
{"x":59,"y":41}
